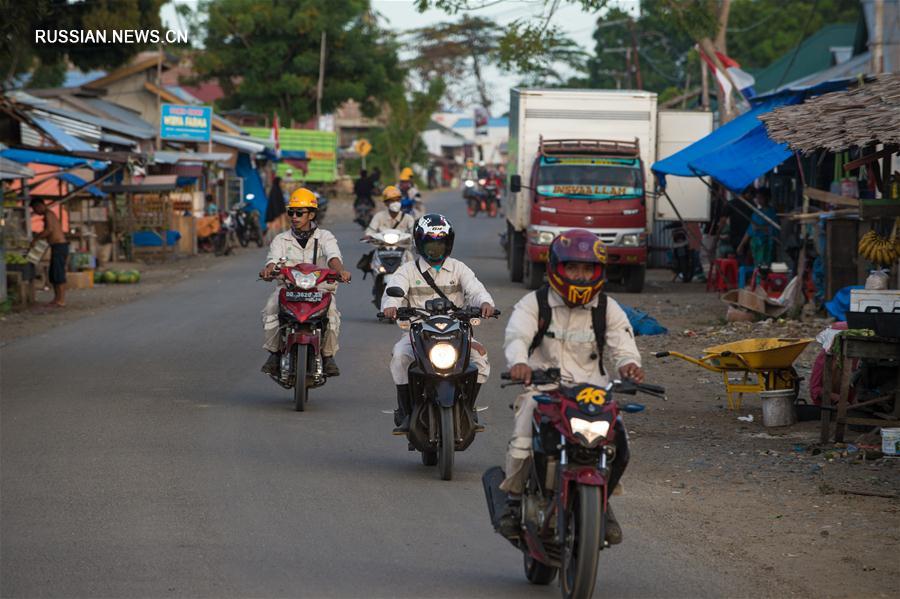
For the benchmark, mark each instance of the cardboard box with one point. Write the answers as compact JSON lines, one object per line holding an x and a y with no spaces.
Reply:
{"x":756,"y":301}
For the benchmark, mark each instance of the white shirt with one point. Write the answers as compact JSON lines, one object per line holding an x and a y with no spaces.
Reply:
{"x":455,"y":279}
{"x":286,"y":246}
{"x":570,"y":342}
{"x":383,"y":220}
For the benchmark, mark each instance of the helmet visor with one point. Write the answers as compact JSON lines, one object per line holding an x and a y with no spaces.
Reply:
{"x":434,"y":250}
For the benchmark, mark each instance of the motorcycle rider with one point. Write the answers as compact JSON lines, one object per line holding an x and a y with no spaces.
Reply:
{"x":303,"y":243}
{"x":392,"y":217}
{"x":433,"y":274}
{"x":409,"y":192}
{"x":576,"y":275}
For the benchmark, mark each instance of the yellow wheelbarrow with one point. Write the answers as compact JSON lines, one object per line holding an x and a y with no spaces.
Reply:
{"x":770,"y":359}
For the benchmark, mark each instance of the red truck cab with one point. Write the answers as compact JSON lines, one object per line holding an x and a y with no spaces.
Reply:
{"x":596,"y":185}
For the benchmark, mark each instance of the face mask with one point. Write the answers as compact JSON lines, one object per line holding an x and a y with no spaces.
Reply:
{"x":394,"y":206}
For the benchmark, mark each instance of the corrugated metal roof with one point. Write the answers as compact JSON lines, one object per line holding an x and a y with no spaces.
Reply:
{"x":813,"y":55}
{"x":98,"y":122}
{"x":10,"y":169}
{"x":60,"y":130}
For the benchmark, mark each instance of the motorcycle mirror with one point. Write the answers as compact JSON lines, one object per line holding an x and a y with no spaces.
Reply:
{"x":515,"y":183}
{"x":394,"y":292}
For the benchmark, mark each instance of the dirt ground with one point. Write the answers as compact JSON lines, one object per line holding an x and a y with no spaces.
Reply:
{"x":769,"y":502}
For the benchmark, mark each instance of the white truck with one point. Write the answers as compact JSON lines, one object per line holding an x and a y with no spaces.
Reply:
{"x":581,"y":159}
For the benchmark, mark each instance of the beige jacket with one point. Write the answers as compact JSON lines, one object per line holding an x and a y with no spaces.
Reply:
{"x":286,"y":246}
{"x":569,"y":344}
{"x":382,"y":221}
{"x":455,"y":279}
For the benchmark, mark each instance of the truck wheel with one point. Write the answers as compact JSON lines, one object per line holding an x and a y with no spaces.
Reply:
{"x":516,"y":254}
{"x":535,"y":275}
{"x":634,"y":279}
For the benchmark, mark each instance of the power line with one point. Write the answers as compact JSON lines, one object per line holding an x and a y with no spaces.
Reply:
{"x":799,"y":43}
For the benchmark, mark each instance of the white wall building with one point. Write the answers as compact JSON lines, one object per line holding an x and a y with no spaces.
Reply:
{"x":491,"y":147}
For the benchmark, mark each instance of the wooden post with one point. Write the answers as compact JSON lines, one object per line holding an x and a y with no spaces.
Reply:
{"x":321,"y":83}
{"x":877,"y":44}
{"x":704,"y":85}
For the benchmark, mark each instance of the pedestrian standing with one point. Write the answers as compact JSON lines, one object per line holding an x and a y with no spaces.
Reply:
{"x":59,"y":250}
{"x":760,"y":233}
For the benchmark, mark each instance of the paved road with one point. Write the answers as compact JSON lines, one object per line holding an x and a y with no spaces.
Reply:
{"x":145,"y":455}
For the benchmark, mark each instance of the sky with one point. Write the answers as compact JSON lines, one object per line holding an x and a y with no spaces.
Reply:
{"x":401,"y":15}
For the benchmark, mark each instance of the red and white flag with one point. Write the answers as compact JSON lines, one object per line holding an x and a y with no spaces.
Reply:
{"x":741,"y":78}
{"x":273,"y":136}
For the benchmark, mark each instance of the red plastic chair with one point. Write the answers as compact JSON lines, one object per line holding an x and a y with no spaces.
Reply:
{"x":723,"y":275}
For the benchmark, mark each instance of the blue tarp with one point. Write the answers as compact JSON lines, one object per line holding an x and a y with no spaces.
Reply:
{"x":252,"y":184}
{"x":151,"y":239}
{"x":643,"y":323}
{"x":740,"y":151}
{"x":27,"y":156}
{"x":78,"y":182}
{"x":69,"y":142}
{"x":840,"y":303}
{"x":293,"y":154}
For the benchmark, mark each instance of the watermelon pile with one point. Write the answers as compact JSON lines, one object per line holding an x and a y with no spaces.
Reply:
{"x":117,"y":276}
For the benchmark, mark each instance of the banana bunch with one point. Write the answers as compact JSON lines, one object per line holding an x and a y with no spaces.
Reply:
{"x":875,"y":248}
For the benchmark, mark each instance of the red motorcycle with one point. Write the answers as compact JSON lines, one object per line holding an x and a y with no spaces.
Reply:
{"x":303,"y":315}
{"x":564,"y":504}
{"x":486,"y":198}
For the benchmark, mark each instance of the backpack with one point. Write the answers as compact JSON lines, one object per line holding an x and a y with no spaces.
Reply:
{"x":545,"y":315}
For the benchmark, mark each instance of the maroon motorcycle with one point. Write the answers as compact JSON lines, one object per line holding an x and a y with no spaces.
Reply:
{"x":564,"y":504}
{"x":303,"y":315}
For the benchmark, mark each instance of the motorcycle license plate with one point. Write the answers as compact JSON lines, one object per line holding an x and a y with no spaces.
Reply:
{"x":304,"y":296}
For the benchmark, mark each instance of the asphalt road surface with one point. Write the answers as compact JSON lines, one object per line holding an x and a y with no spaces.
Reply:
{"x":144,"y":455}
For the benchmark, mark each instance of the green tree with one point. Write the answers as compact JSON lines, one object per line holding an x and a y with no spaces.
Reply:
{"x":399,"y":143}
{"x":265,"y":55}
{"x":19,"y":54}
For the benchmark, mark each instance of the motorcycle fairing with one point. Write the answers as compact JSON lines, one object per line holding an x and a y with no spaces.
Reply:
{"x":313,"y":338}
{"x":303,"y":311}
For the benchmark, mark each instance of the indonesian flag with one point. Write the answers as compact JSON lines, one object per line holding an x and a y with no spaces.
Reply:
{"x":742,"y":79}
{"x":273,"y":136}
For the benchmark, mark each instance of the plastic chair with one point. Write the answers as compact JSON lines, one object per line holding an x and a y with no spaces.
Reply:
{"x":723,"y":275}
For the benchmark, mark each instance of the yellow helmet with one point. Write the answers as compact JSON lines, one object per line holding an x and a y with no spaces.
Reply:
{"x":391,"y":194}
{"x":406,"y":174}
{"x":303,"y":198}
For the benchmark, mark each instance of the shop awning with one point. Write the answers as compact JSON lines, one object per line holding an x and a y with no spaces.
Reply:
{"x":244,"y":144}
{"x":149,"y":184}
{"x":79,"y":182}
{"x":13,"y":170}
{"x":64,"y":160}
{"x":740,"y":151}
{"x":169,"y":157}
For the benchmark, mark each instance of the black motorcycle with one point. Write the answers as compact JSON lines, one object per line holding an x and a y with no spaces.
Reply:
{"x":246,"y":222}
{"x":391,"y":250}
{"x":442,"y":381}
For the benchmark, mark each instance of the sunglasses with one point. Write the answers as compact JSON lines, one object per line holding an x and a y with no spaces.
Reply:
{"x":299,"y":212}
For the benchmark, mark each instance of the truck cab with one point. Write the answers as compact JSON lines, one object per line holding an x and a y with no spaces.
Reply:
{"x":591,"y":184}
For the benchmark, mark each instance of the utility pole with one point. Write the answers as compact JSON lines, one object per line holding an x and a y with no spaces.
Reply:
{"x":321,"y":83}
{"x":636,"y":61}
{"x":158,"y":100}
{"x":704,"y":85}
{"x":878,"y":42}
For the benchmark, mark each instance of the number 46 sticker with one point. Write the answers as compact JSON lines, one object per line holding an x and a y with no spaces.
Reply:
{"x":591,"y":395}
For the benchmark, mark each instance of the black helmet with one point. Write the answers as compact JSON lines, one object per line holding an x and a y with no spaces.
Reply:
{"x":434,"y":236}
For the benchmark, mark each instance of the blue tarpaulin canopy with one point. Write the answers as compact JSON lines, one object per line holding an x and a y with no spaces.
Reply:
{"x":739,"y":151}
{"x":79,"y":182}
{"x":252,"y":184}
{"x":65,"y":161}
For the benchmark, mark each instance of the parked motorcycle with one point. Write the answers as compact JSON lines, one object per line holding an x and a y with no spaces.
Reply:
{"x":564,"y":505}
{"x":391,"y":250}
{"x":684,"y":260}
{"x":442,"y":381}
{"x":303,"y":314}
{"x":247,"y":226}
{"x":226,"y":240}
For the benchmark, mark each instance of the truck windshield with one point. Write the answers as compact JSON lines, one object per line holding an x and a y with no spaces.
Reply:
{"x":590,"y":178}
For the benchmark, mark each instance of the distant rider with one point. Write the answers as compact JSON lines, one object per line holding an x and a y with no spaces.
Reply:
{"x":303,"y":243}
{"x":576,"y":275}
{"x":392,"y":217}
{"x":433,"y":236}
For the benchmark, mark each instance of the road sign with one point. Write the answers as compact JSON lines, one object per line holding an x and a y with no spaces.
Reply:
{"x":363,"y":147}
{"x":185,"y":122}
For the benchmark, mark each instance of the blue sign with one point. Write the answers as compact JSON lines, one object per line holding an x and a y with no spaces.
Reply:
{"x":185,"y":122}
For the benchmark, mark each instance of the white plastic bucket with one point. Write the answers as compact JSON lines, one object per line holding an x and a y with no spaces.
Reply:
{"x":778,"y":407}
{"x":890,"y":441}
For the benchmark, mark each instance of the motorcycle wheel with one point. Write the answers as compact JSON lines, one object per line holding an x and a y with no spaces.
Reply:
{"x":581,"y":547}
{"x":244,"y":240}
{"x":448,"y":445}
{"x":686,"y":268}
{"x":429,"y":457}
{"x":259,"y":239}
{"x":535,"y":276}
{"x":301,"y":393}
{"x":538,"y":573}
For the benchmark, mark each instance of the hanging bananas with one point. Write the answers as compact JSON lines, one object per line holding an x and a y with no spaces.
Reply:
{"x":875,"y":248}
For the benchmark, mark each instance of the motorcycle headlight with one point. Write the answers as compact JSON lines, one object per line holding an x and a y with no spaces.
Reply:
{"x":381,"y":268}
{"x":442,"y":356}
{"x":391,"y":238}
{"x":591,"y":431}
{"x":304,"y":281}
{"x":631,"y":240}
{"x":470,"y":183}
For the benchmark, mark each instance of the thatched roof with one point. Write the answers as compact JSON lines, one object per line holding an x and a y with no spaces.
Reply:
{"x":865,"y":115}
